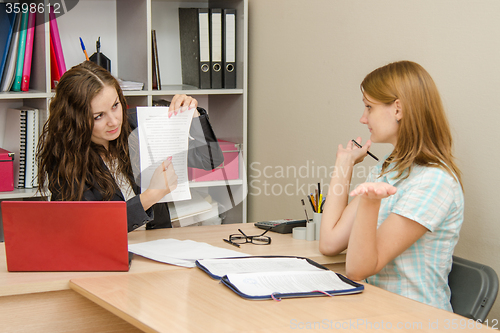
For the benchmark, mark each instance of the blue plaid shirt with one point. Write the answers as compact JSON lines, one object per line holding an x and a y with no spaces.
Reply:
{"x":432,"y":197}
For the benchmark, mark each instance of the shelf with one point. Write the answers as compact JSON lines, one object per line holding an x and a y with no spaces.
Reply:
{"x":215,"y":183}
{"x":124,"y":27}
{"x":20,"y":194}
{"x":189,"y":90}
{"x":32,"y":193}
{"x":135,"y":93}
{"x":23,"y":95}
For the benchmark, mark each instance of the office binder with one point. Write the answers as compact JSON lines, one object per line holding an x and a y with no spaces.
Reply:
{"x":32,"y":134}
{"x":14,"y":140}
{"x":54,"y":71}
{"x":194,"y":35}
{"x":216,"y":47}
{"x":7,"y":22}
{"x":229,"y":47}
{"x":30,"y":35}
{"x":156,"y":64}
{"x":16,"y":86}
{"x":10,"y":64}
{"x":56,"y":41}
{"x":276,"y":277}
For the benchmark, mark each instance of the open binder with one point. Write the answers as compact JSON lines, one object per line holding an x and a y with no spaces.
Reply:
{"x":276,"y":277}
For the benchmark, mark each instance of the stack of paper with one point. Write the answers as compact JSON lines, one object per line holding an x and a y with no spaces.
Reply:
{"x":130,"y":85}
{"x":188,"y":208}
{"x":180,"y":253}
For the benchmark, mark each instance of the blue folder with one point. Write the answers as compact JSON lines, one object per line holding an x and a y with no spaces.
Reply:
{"x":353,"y":287}
{"x":7,"y":21}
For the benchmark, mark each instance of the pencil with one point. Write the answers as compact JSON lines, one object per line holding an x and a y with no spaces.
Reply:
{"x":360,"y":146}
{"x":311,"y":201}
{"x":232,"y":243}
{"x":319,"y":198}
{"x":305,"y":211}
{"x":322,"y":204}
{"x":317,"y":201}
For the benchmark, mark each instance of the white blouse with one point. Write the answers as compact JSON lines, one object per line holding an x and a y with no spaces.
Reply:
{"x":121,"y":181}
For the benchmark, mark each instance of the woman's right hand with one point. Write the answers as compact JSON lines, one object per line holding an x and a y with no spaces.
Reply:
{"x":163,"y":181}
{"x":164,"y":178}
{"x":352,"y":152}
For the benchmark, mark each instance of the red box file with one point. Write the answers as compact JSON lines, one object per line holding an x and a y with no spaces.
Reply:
{"x":229,"y":169}
{"x":6,"y":170}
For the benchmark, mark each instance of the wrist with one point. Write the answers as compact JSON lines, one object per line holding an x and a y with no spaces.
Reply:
{"x":370,"y":202}
{"x":343,"y":167}
{"x":148,"y":198}
{"x":344,"y":160}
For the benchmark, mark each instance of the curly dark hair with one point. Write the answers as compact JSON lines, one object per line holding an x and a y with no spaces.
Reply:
{"x":68,"y":161}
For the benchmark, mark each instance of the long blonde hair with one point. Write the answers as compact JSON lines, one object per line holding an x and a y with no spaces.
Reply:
{"x":424,"y":136}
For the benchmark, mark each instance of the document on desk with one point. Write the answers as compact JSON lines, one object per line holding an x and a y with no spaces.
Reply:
{"x":217,"y":268}
{"x":159,"y":138}
{"x":279,"y":283}
{"x":180,"y":252}
{"x":267,"y":277}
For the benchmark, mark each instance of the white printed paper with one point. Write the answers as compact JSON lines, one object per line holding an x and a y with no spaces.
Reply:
{"x":159,"y":138}
{"x":221,"y":267}
{"x":263,"y":284}
{"x":180,"y":252}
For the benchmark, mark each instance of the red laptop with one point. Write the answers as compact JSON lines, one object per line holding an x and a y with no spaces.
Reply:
{"x":65,"y":235}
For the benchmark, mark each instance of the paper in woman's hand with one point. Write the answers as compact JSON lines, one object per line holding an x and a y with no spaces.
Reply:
{"x":159,"y":138}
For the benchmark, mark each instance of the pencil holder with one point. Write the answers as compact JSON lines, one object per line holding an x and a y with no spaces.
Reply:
{"x":310,"y":231}
{"x":317,"y":223}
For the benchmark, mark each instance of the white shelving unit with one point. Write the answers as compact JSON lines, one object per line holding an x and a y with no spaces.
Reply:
{"x":125,"y":30}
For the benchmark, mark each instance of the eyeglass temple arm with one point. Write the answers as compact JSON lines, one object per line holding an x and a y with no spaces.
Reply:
{"x":242,"y":232}
{"x":253,"y":236}
{"x":262,"y":234}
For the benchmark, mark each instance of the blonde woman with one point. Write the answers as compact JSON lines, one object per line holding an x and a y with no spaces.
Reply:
{"x":402,"y":225}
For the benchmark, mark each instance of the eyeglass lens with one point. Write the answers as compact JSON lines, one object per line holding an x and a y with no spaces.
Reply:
{"x":243,"y":238}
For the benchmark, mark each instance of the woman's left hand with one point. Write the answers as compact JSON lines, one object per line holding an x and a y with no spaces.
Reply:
{"x":181,"y":103}
{"x":374,"y":190}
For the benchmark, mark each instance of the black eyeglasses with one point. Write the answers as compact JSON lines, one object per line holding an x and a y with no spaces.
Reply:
{"x":257,"y":240}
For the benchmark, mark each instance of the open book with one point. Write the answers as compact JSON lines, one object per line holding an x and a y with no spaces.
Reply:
{"x":276,"y":277}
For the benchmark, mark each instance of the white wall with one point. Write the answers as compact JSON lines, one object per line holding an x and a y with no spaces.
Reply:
{"x":306,"y":61}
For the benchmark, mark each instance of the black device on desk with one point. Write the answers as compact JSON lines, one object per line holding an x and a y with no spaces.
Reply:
{"x":284,"y":226}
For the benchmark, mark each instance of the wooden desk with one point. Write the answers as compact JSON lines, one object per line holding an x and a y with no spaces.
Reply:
{"x":282,"y":244}
{"x":190,"y":301}
{"x":43,"y":301}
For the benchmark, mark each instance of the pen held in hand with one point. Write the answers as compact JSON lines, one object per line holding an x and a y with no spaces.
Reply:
{"x":360,"y":146}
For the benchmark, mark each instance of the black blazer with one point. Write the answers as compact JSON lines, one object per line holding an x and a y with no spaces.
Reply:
{"x":204,"y":153}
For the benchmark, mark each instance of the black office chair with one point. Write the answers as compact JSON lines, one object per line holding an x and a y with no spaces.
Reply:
{"x":474,"y":288}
